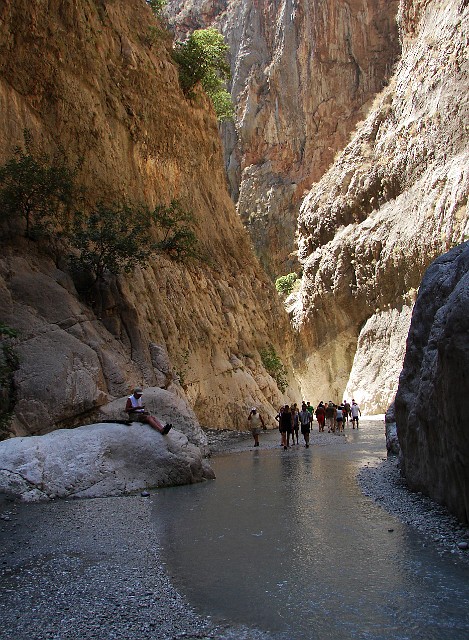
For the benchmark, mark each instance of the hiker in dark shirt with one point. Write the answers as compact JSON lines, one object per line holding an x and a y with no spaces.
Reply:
{"x":286,"y":426}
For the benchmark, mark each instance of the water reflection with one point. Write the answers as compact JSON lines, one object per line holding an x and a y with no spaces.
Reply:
{"x":286,"y":542}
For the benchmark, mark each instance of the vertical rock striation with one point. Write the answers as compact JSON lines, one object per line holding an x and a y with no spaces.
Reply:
{"x":394,"y":199}
{"x":303,"y":75}
{"x":432,"y":402}
{"x":93,"y":79}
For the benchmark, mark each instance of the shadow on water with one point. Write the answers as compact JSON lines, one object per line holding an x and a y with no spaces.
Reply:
{"x":286,"y":542}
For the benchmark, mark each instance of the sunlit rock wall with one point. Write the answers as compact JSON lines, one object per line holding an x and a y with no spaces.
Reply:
{"x":93,"y":79}
{"x":303,"y":75}
{"x":394,"y":199}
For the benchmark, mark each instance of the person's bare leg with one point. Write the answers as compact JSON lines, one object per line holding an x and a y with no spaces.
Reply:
{"x":156,"y":424}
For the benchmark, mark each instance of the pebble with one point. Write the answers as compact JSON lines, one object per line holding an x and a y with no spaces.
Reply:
{"x":384,"y":484}
{"x":63,"y":582}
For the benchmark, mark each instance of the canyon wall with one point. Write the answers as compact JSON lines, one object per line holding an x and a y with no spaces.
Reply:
{"x":393,"y":200}
{"x":303,"y":74}
{"x":92,"y":78}
{"x":432,"y":400}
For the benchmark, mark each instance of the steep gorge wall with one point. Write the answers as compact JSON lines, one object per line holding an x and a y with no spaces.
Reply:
{"x":394,"y":199}
{"x":303,"y":75}
{"x":88,"y":77}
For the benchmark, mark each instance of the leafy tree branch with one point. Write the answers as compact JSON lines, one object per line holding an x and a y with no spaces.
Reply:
{"x":34,"y":187}
{"x":202,"y":58}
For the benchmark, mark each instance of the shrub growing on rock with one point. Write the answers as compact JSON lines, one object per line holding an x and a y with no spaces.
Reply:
{"x":202,"y":58}
{"x":112,"y":238}
{"x":157,"y":6}
{"x":274,"y":366}
{"x":175,"y":236}
{"x":116,"y":238}
{"x":285,"y":284}
{"x":35,"y":187}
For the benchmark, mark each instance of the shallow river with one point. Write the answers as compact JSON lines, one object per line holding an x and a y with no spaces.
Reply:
{"x":284,"y":541}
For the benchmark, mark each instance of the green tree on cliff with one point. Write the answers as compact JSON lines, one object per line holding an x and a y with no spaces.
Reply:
{"x":112,"y":238}
{"x":116,"y":238}
{"x":157,"y":6}
{"x":202,"y":58}
{"x":274,"y":367}
{"x":34,"y":187}
{"x":174,"y":229}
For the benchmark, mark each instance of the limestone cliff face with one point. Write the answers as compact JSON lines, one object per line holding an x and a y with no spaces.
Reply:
{"x":394,"y":199}
{"x":432,"y":400}
{"x":303,"y":75}
{"x":91,"y":78}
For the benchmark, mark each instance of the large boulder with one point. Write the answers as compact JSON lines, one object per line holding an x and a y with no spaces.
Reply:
{"x":98,"y":460}
{"x":167,"y":407}
{"x":432,"y":402}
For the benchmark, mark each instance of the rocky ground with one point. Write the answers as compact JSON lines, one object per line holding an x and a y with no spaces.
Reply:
{"x":384,"y":484}
{"x":67,"y":575}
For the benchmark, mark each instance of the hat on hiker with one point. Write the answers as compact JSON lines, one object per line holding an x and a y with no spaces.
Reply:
{"x":138,"y":390}
{"x":253,"y":409}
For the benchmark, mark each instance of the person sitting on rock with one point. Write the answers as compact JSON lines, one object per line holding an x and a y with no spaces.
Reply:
{"x":136,"y":411}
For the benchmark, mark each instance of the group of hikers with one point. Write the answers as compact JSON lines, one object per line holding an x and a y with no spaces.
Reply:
{"x":291,"y":420}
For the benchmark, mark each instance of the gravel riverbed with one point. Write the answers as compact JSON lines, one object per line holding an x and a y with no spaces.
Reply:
{"x":83,"y":569}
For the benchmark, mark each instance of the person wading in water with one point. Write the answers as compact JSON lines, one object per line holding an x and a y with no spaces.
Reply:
{"x":305,"y":421}
{"x":286,"y":426}
{"x":256,"y":420}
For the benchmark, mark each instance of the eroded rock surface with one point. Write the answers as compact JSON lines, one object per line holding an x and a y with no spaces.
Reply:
{"x":432,"y":402}
{"x":97,"y":461}
{"x":394,"y":199}
{"x":92,"y":79}
{"x":303,"y":74}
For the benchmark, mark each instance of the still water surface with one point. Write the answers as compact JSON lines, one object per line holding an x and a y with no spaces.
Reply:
{"x":286,"y":542}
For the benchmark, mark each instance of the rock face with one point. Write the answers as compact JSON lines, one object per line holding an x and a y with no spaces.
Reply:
{"x":303,"y":74}
{"x":432,"y":402}
{"x":93,"y":79}
{"x":390,"y":426}
{"x":394,"y":199}
{"x":98,"y":461}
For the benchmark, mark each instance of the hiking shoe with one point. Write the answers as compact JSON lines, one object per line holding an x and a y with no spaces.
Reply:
{"x":167,"y":428}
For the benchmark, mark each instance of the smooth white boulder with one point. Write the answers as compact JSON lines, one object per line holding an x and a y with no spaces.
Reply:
{"x":98,"y":460}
